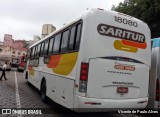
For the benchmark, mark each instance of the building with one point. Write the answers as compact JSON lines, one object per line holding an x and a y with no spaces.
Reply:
{"x":10,"y":42}
{"x":47,"y":29}
{"x":36,"y":38}
{"x":1,"y":46}
{"x":14,"y":48}
{"x":31,"y":42}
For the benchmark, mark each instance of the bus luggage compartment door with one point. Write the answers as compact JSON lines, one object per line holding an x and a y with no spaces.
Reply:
{"x":113,"y":79}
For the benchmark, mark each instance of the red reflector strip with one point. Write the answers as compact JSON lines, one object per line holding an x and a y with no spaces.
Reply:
{"x":142,"y":102}
{"x":93,"y":103}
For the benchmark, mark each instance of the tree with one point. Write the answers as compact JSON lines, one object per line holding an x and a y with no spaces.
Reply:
{"x":145,"y":10}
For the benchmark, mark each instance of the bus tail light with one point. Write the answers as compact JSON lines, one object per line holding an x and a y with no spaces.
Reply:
{"x":157,"y":90}
{"x":83,"y":77}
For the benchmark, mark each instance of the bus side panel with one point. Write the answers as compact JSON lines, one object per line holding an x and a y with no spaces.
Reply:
{"x":64,"y":91}
{"x":51,"y":86}
{"x":154,"y":74}
{"x":31,"y":76}
{"x":37,"y":78}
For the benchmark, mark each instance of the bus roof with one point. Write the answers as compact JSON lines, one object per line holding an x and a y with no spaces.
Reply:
{"x":156,"y":42}
{"x":81,"y":16}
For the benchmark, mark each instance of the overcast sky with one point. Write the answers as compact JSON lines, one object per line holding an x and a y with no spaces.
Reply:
{"x":24,"y":18}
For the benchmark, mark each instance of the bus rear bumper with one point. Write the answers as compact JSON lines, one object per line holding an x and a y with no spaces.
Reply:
{"x":84,"y":104}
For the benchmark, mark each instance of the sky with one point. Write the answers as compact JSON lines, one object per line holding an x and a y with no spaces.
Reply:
{"x":24,"y":18}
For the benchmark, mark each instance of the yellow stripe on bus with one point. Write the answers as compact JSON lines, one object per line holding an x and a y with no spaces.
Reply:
{"x":65,"y":65}
{"x":120,"y":46}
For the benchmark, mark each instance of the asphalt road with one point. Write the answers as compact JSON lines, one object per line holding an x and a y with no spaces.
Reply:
{"x":16,"y":93}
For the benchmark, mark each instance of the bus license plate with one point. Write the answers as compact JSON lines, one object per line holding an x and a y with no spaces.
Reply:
{"x":122,"y":89}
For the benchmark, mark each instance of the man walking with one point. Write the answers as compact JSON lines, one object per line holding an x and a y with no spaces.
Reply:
{"x":4,"y":71}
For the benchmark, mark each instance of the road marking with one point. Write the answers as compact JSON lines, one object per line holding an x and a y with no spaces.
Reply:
{"x":17,"y":95}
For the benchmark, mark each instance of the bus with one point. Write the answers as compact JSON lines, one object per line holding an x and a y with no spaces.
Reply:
{"x":22,"y":63}
{"x":5,"y":58}
{"x":154,"y":93}
{"x":99,"y":60}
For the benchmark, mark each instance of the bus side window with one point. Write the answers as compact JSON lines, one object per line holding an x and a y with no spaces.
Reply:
{"x":64,"y":42}
{"x":51,"y":45}
{"x":28,"y":53}
{"x":38,"y":51}
{"x":46,"y":47}
{"x":33,"y":50}
{"x":72,"y":37}
{"x":78,"y":36}
{"x":56,"y":46}
{"x":42,"y":49}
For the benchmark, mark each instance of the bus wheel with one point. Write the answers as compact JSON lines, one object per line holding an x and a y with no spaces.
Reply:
{"x":43,"y":91}
{"x":26,"y":75}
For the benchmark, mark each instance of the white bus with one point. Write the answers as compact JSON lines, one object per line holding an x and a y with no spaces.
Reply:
{"x":101,"y":60}
{"x":154,"y":88}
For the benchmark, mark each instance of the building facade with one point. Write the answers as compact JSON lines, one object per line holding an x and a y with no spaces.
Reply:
{"x":47,"y":29}
{"x":14,"y":48}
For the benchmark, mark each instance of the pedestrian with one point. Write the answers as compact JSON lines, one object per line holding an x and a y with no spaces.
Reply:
{"x":4,"y":71}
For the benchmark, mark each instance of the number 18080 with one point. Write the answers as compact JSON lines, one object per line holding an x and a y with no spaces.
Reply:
{"x":125,"y":21}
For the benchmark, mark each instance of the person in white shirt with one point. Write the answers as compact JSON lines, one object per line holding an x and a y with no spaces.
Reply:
{"x":4,"y":71}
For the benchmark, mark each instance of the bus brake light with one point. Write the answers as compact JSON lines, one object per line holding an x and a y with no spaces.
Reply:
{"x":83,"y":77}
{"x":84,"y":72}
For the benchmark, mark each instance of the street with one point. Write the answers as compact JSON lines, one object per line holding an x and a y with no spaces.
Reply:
{"x":25,"y":96}
{"x":17,"y":93}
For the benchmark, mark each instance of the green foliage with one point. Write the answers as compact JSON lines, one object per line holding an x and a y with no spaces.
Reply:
{"x":145,"y":10}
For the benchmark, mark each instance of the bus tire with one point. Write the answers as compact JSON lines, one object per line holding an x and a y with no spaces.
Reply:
{"x":43,"y":91}
{"x":26,"y":75}
{"x":29,"y":84}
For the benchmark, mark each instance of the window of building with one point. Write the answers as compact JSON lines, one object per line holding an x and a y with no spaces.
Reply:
{"x":64,"y":42}
{"x":57,"y":44}
{"x":19,"y":53}
{"x":13,"y":52}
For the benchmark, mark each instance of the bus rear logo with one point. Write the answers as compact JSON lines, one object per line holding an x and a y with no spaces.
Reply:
{"x":130,"y":40}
